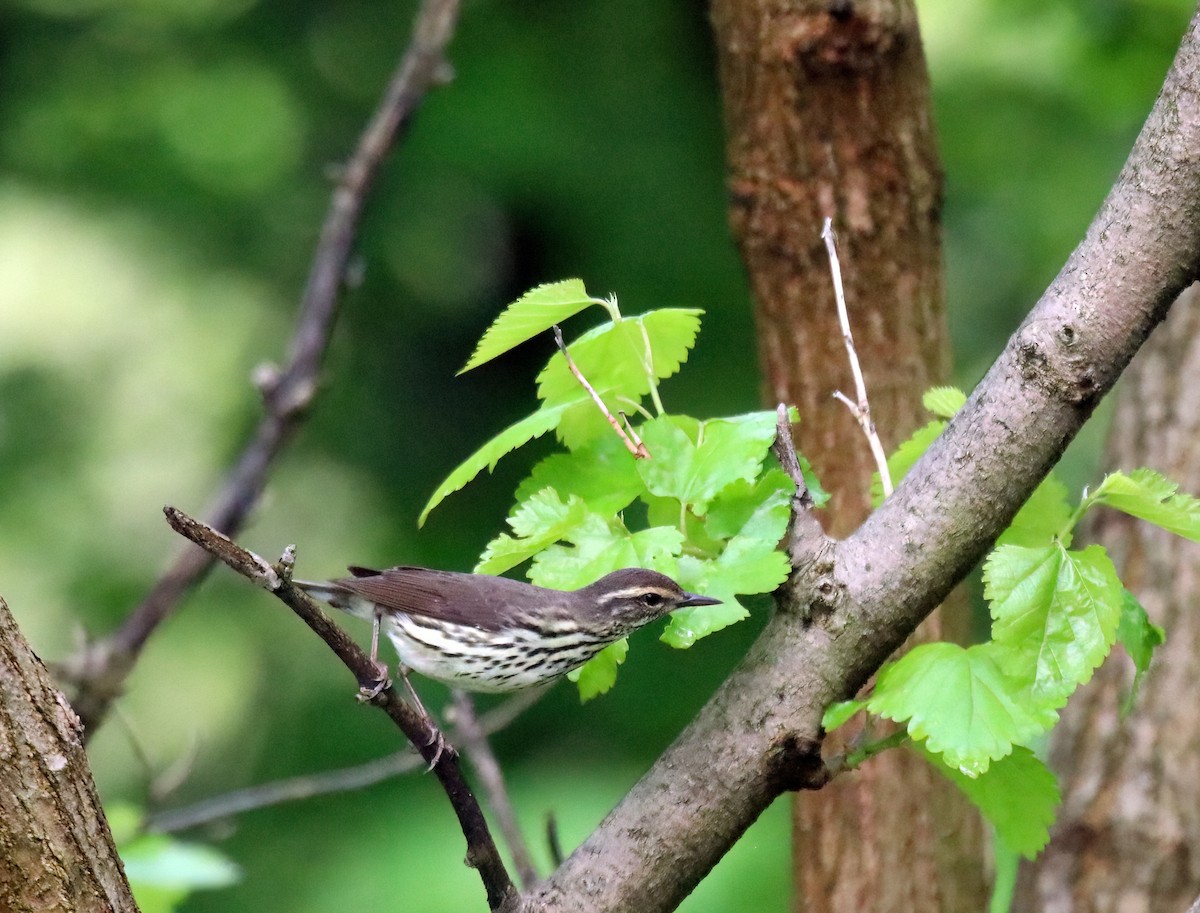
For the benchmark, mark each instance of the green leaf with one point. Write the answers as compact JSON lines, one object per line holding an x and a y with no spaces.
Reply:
{"x":534,"y":312}
{"x":602,"y":472}
{"x":599,"y":673}
{"x":1054,"y":614}
{"x":819,"y":495}
{"x":736,"y":502}
{"x":944,"y":402}
{"x":599,"y":546}
{"x":1140,"y":637}
{"x":1150,"y":496}
{"x":1018,"y":795}
{"x":686,"y":626}
{"x":163,"y":871}
{"x":539,"y":521}
{"x":1045,"y":516}
{"x":959,"y":703}
{"x":487,"y":456}
{"x":695,"y":471}
{"x":905,"y":457}
{"x":837,"y":715}
{"x":622,"y":361}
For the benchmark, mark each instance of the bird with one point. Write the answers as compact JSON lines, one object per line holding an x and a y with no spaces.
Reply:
{"x":492,"y":634}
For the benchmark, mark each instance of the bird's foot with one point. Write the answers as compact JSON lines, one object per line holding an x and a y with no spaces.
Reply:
{"x":377,"y":685}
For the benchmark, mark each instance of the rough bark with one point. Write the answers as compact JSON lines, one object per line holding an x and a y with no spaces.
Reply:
{"x":828,"y":114}
{"x":1128,"y":834}
{"x":56,"y":851}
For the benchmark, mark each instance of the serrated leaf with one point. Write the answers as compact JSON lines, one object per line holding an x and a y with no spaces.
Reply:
{"x":737,"y":502}
{"x":534,"y":312}
{"x":487,"y":456}
{"x":1018,"y":796}
{"x":959,"y":702}
{"x":622,"y":361}
{"x":599,"y":673}
{"x":1140,"y":637}
{"x":838,"y":714}
{"x":1152,"y":497}
{"x":599,"y":546}
{"x":539,"y":521}
{"x":602,"y":473}
{"x":686,"y":626}
{"x":905,"y":457}
{"x":944,"y":402}
{"x":693,"y":473}
{"x":1054,"y":615}
{"x":1045,"y":516}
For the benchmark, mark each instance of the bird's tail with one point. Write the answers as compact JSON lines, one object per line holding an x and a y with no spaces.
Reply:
{"x":334,"y":594}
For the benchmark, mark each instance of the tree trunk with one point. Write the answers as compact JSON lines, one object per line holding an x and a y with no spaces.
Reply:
{"x":56,"y":851}
{"x":1128,"y":834}
{"x":828,"y":114}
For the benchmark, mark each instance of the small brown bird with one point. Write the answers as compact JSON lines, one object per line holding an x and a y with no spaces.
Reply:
{"x":493,"y":634}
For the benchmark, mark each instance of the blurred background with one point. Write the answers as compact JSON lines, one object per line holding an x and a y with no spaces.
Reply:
{"x":164,"y":170}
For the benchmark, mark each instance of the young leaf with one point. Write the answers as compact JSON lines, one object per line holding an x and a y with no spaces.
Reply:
{"x":1054,"y":614}
{"x":1150,"y":496}
{"x":1044,"y":517}
{"x":539,"y":521}
{"x":943,"y":402}
{"x":534,"y":312}
{"x":837,"y":715}
{"x":728,"y":449}
{"x":1140,"y":637}
{"x":599,"y":673}
{"x":602,"y":473}
{"x":905,"y":457}
{"x":487,"y":456}
{"x":622,"y":361}
{"x":687,"y":626}
{"x":737,"y":502}
{"x":1018,"y":795}
{"x":958,"y":701}
{"x":599,"y":546}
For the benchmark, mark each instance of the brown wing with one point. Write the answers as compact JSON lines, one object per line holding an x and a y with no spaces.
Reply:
{"x":469,"y":599}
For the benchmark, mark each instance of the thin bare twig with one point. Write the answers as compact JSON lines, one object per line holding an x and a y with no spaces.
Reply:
{"x":479,"y":752}
{"x":98,"y":672}
{"x":418,"y":728}
{"x":861,"y":410}
{"x":638,"y":449}
{"x":346,"y":779}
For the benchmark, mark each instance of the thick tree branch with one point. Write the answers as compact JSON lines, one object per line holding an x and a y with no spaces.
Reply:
{"x":98,"y":672}
{"x":760,"y":733}
{"x":56,"y":851}
{"x":418,"y":728}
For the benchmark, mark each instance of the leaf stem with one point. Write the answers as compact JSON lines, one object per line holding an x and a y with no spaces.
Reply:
{"x":868,"y":750}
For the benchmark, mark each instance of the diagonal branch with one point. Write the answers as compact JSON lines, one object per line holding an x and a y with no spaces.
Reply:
{"x":417,"y":727}
{"x":98,"y":672}
{"x":760,"y":733}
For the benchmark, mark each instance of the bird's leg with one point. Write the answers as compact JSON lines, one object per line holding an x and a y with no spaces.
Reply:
{"x":437,"y":738}
{"x":381,"y":670}
{"x":382,"y":682}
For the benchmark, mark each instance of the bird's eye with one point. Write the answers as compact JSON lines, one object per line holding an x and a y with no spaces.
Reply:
{"x":652,"y":600}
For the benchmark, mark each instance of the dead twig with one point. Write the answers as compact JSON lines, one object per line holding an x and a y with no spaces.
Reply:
{"x":861,"y":410}
{"x":636,"y":447}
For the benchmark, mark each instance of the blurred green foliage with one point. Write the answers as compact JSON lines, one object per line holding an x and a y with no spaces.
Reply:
{"x":162,"y":179}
